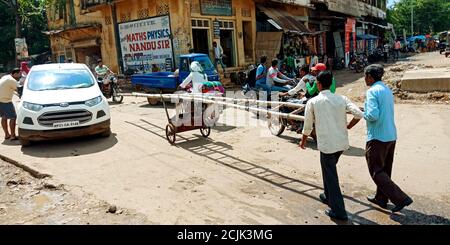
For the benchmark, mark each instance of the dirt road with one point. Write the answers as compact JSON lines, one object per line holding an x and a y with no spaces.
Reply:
{"x":27,"y":200}
{"x":241,"y":174}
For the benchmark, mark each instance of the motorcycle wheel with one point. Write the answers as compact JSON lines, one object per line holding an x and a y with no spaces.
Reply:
{"x":358,"y":69}
{"x":116,"y":98}
{"x":276,"y":125}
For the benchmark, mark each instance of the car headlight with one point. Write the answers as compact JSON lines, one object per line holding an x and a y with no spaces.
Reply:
{"x":93,"y":102}
{"x":32,"y":107}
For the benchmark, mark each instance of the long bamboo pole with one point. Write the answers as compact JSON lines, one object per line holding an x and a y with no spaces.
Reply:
{"x":209,"y":101}
{"x":211,"y":97}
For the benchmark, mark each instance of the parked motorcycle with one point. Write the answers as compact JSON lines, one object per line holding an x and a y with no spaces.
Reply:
{"x":110,"y":88}
{"x":338,"y":64}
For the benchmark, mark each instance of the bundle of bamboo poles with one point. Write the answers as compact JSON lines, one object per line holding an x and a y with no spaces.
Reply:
{"x":230,"y":102}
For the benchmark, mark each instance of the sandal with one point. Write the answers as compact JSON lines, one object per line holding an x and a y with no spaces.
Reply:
{"x":14,"y":138}
{"x":7,"y":137}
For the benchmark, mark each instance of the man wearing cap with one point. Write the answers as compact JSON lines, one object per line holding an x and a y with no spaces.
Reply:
{"x":311,"y":87}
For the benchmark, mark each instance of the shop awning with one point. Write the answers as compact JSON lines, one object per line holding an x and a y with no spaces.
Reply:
{"x":285,"y":21}
{"x":366,"y":37}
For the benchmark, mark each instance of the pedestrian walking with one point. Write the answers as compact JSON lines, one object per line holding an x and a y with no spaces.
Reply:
{"x":328,"y":111}
{"x":381,"y":140}
{"x":218,"y":56}
{"x":386,"y":52}
{"x":397,"y":47}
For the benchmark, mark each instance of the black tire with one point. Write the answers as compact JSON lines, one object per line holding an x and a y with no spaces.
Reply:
{"x":117,"y":98}
{"x":276,"y":125}
{"x":153,"y":101}
{"x":205,"y":131}
{"x":358,"y":69}
{"x":171,"y":133}
{"x":106,"y":133}
{"x":24,"y":142}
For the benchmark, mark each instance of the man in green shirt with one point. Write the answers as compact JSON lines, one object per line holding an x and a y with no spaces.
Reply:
{"x":311,"y":86}
{"x":101,"y":70}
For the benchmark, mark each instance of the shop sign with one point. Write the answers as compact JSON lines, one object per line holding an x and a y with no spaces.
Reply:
{"x":216,"y":26}
{"x":147,"y":42}
{"x":216,"y":7}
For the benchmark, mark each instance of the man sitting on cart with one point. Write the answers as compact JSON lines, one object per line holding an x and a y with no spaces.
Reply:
{"x":200,"y":84}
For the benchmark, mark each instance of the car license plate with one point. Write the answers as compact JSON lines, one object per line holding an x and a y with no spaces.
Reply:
{"x":66,"y":124}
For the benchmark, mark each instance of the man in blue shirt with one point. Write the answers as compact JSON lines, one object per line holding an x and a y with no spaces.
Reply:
{"x":381,"y":139}
{"x":261,"y":73}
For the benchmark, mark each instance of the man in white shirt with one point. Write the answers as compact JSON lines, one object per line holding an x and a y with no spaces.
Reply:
{"x":8,"y":85}
{"x":274,"y":75}
{"x":328,"y":112}
{"x":218,"y":56}
{"x":301,"y":85}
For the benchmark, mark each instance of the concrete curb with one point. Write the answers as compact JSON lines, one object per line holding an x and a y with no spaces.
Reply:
{"x":33,"y":172}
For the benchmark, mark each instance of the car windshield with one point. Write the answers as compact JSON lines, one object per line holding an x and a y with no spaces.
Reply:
{"x":59,"y":79}
{"x":206,"y":63}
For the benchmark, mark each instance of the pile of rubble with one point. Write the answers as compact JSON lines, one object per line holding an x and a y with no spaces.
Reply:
{"x":393,"y":79}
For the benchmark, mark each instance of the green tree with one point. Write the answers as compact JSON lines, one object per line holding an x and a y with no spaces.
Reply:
{"x":430,"y":16}
{"x":22,"y":18}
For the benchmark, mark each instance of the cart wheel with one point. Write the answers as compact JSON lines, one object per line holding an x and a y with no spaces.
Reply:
{"x":153,"y":101}
{"x":171,"y":133}
{"x":276,"y":125}
{"x":205,"y":131}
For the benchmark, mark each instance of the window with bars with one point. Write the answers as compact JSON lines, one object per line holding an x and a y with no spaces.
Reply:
{"x":143,"y":13}
{"x":162,"y":8}
{"x":108,"y":20}
{"x":125,"y":17}
{"x":246,"y":13}
{"x":196,"y":23}
{"x":226,"y":25}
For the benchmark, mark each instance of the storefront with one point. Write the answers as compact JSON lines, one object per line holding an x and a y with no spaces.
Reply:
{"x":230,"y":23}
{"x":82,"y":44}
{"x":283,"y":34}
{"x":114,"y":32}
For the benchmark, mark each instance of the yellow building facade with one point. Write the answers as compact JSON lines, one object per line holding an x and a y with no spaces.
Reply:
{"x":89,"y":29}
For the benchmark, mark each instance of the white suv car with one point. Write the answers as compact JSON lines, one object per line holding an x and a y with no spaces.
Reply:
{"x":61,"y":101}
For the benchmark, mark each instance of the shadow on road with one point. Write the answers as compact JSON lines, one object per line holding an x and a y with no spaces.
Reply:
{"x":70,"y":147}
{"x":217,"y":152}
{"x":311,"y":144}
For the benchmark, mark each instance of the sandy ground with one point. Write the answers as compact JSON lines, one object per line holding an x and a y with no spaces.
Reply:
{"x":241,"y":174}
{"x":27,"y":200}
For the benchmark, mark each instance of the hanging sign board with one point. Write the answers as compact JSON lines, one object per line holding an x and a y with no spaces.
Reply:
{"x":216,"y":26}
{"x":216,"y":7}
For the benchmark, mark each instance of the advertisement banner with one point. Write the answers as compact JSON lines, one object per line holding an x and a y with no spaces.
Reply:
{"x":21,"y":48}
{"x":145,"y":43}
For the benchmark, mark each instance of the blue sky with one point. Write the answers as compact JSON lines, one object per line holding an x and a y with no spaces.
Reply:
{"x":391,"y":2}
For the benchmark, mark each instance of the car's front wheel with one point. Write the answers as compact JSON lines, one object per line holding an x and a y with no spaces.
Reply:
{"x":24,"y":142}
{"x":106,"y":133}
